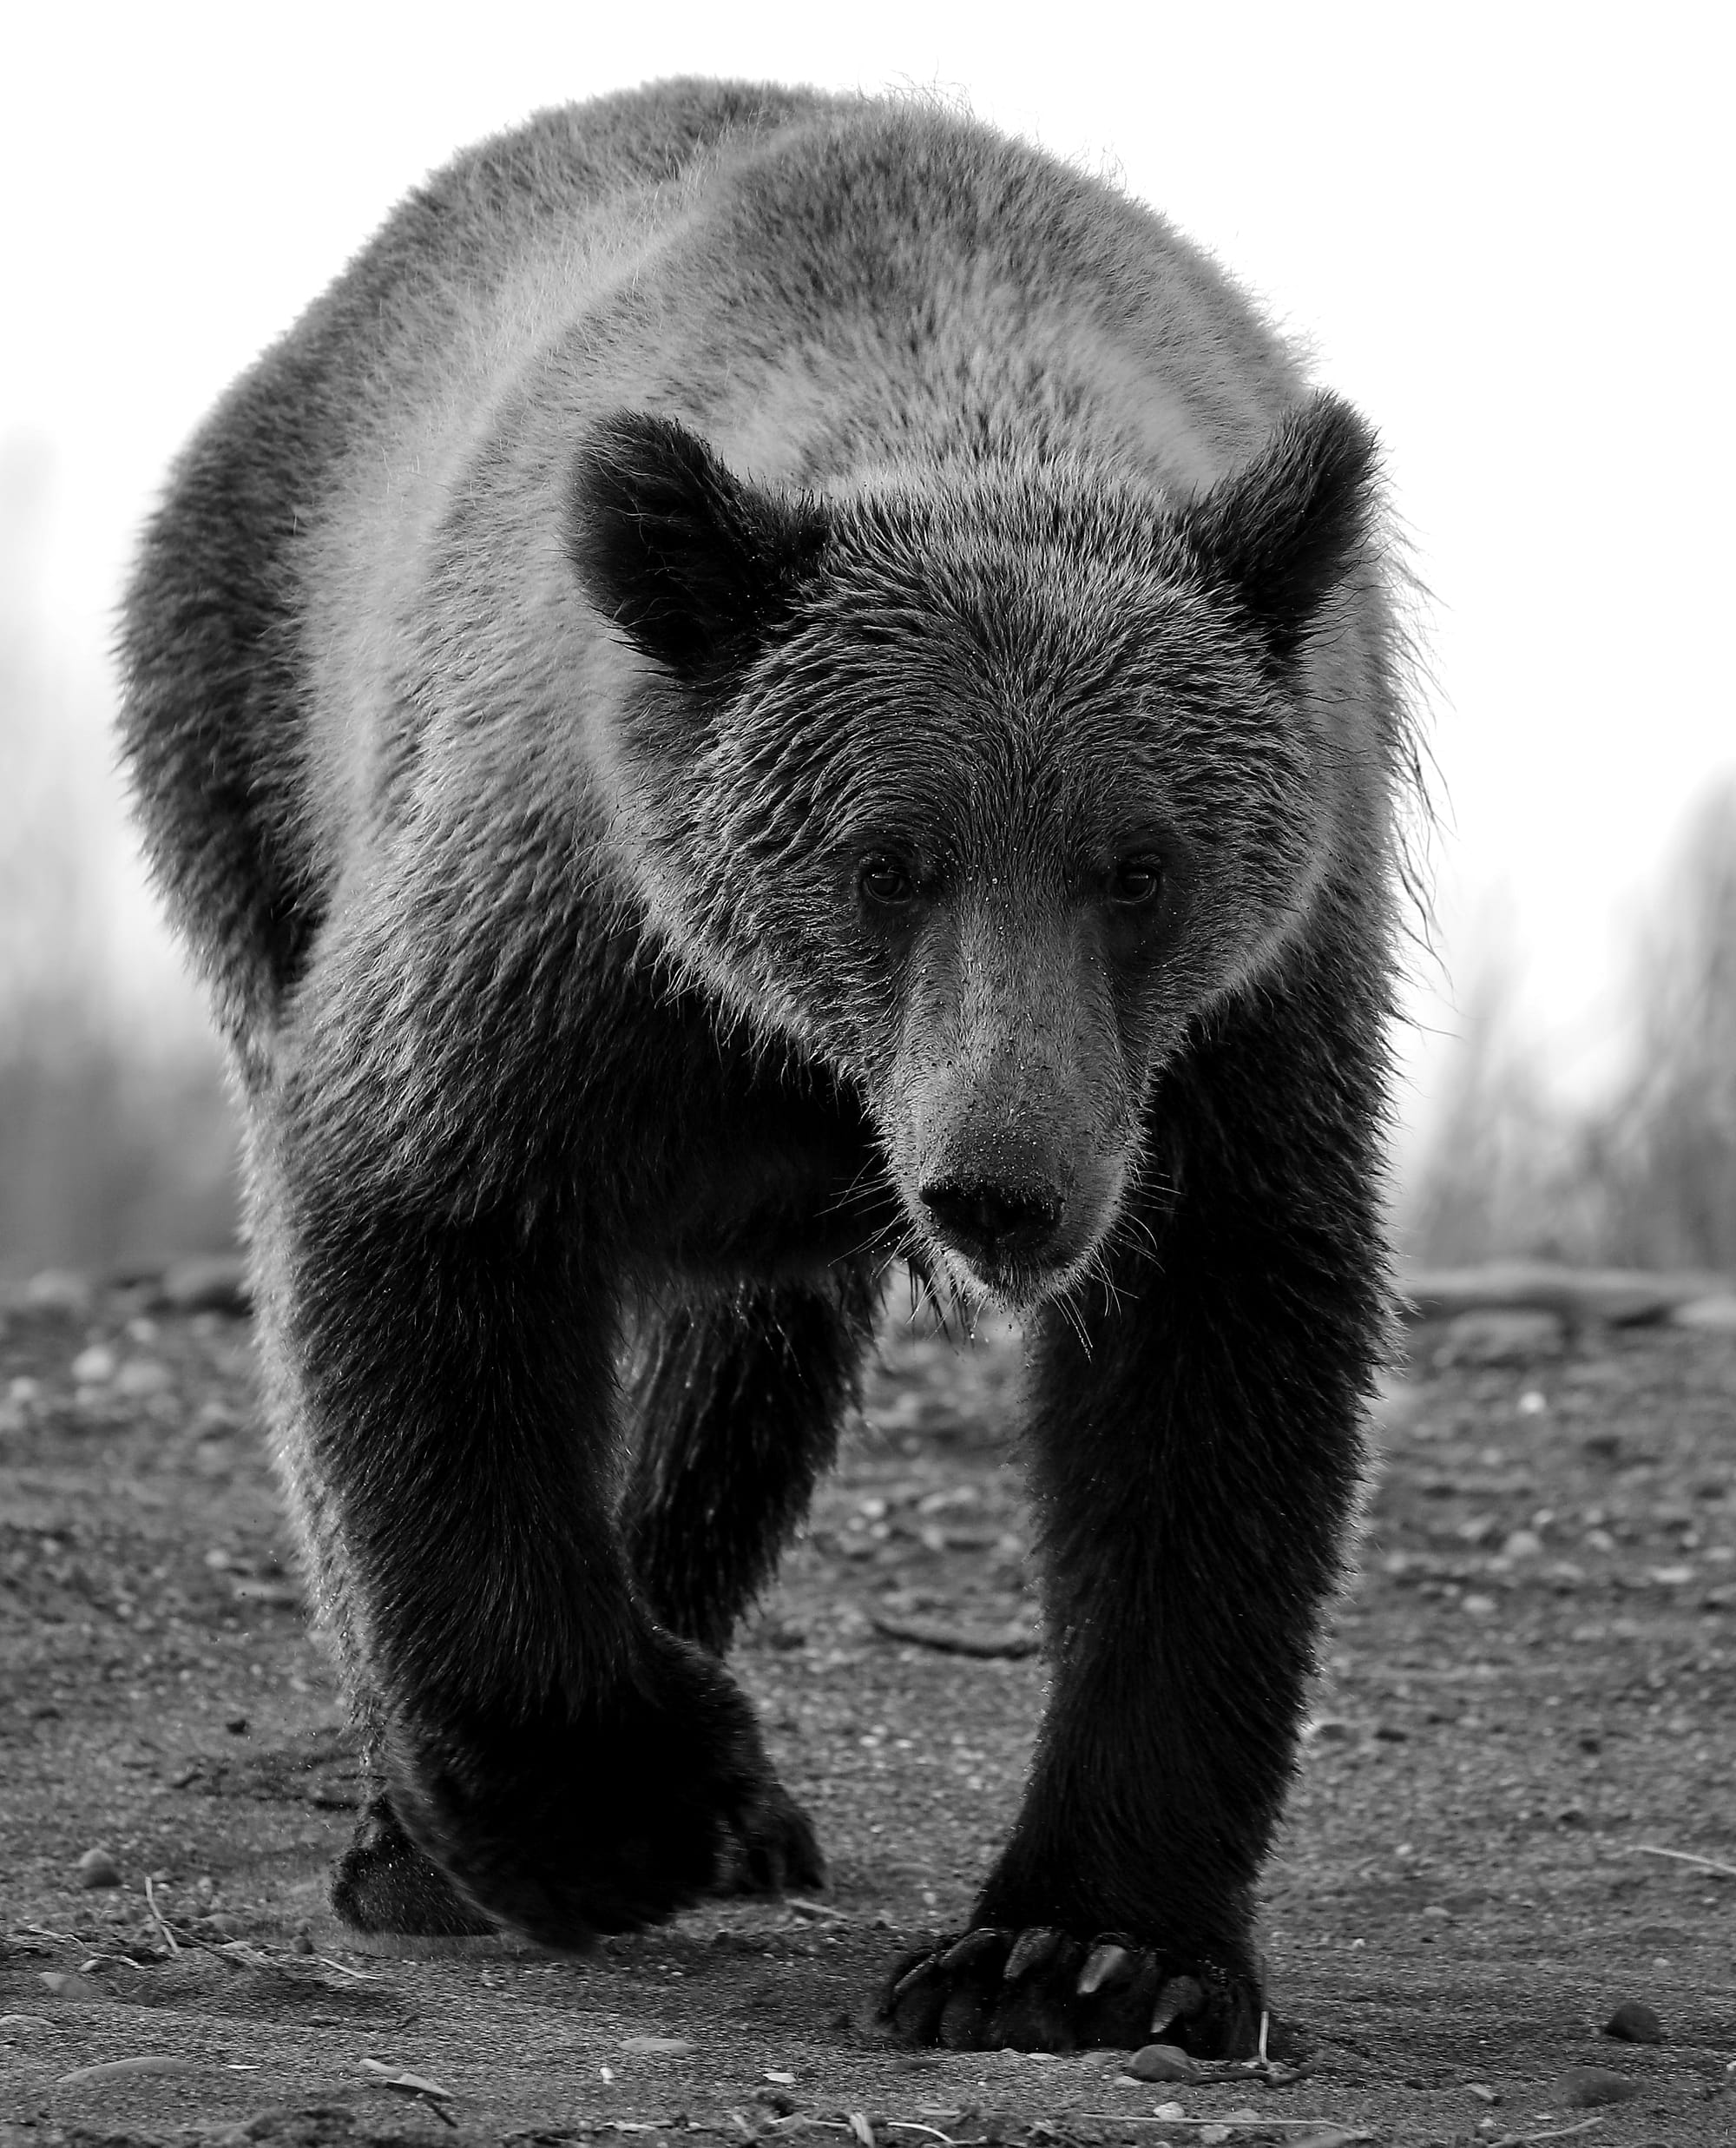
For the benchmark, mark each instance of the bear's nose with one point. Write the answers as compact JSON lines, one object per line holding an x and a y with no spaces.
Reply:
{"x":992,"y":1218}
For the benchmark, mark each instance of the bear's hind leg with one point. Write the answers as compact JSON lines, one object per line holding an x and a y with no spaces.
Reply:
{"x":738,"y":1405}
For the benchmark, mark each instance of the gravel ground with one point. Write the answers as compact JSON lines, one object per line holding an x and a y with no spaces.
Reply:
{"x":1515,"y":1814}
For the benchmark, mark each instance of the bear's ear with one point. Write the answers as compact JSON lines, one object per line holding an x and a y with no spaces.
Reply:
{"x":694,"y":565}
{"x":1285,"y":527}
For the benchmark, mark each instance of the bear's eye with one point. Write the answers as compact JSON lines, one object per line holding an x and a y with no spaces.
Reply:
{"x":1137,"y":882}
{"x":886,"y":882}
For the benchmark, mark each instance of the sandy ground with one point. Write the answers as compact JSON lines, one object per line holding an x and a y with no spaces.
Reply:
{"x":1531,"y":1698}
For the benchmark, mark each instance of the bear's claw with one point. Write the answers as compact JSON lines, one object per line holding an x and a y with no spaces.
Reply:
{"x":770,"y":1850}
{"x":1044,"y":1989}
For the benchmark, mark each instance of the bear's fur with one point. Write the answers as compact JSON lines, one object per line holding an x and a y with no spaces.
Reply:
{"x":767,"y":684}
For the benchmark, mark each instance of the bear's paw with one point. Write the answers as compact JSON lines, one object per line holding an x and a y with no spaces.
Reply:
{"x":570,"y":1822}
{"x":1045,"y":1989}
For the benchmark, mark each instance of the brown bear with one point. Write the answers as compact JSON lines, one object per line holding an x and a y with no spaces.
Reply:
{"x":770,"y":685}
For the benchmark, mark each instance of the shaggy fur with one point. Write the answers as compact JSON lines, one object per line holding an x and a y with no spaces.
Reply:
{"x":766,"y":684}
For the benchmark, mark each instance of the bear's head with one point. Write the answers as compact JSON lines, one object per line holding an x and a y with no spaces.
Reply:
{"x":981,"y":783}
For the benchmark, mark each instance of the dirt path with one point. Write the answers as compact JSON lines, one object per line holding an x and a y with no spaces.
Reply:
{"x":1536,"y":1682}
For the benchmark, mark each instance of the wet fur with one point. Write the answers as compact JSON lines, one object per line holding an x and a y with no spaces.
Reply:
{"x":682,"y":500}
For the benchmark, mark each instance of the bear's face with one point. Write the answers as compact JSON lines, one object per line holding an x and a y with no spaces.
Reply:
{"x":981,"y":788}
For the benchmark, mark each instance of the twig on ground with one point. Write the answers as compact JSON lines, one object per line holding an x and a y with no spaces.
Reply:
{"x":1556,"y":2132}
{"x":1229,"y":2118}
{"x":157,"y":1917}
{"x":1685,"y":1857}
{"x":234,"y":1954}
{"x":362,"y":1976}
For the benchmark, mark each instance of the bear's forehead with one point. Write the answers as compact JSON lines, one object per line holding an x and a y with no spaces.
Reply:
{"x":971,"y":787}
{"x":1028,"y":636}
{"x":1030,"y":691}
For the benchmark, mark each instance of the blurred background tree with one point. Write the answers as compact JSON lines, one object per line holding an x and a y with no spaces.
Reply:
{"x":1642,"y":1175}
{"x":115,"y":1141}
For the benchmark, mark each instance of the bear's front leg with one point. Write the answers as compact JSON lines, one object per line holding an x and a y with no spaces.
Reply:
{"x":443,"y":1394}
{"x":1196,"y":1457}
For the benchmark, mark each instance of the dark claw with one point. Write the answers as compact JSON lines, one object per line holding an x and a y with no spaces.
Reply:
{"x":1181,"y":1998}
{"x":770,"y":1849}
{"x":1031,"y":1949}
{"x":941,"y":1997}
{"x":917,"y":2000}
{"x":964,"y":1954}
{"x":1109,"y":1964}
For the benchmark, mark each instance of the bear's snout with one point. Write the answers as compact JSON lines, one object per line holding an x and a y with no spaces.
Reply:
{"x":988,"y":1221}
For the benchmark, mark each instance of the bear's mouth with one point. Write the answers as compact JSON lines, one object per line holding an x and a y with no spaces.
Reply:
{"x":1016,"y":1289}
{"x":1013,"y":1272}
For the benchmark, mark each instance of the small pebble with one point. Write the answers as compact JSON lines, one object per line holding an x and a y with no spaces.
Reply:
{"x":97,"y":1869}
{"x":1583,"y":2088}
{"x":1717,"y":1314}
{"x":211,"y":1283}
{"x":143,"y":1376}
{"x":59,"y":1290}
{"x":1633,"y":2022}
{"x":94,"y":1368}
{"x":1162,"y":2062}
{"x":65,"y":1985}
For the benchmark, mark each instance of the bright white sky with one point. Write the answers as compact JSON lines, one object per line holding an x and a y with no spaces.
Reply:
{"x":1504,"y":230}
